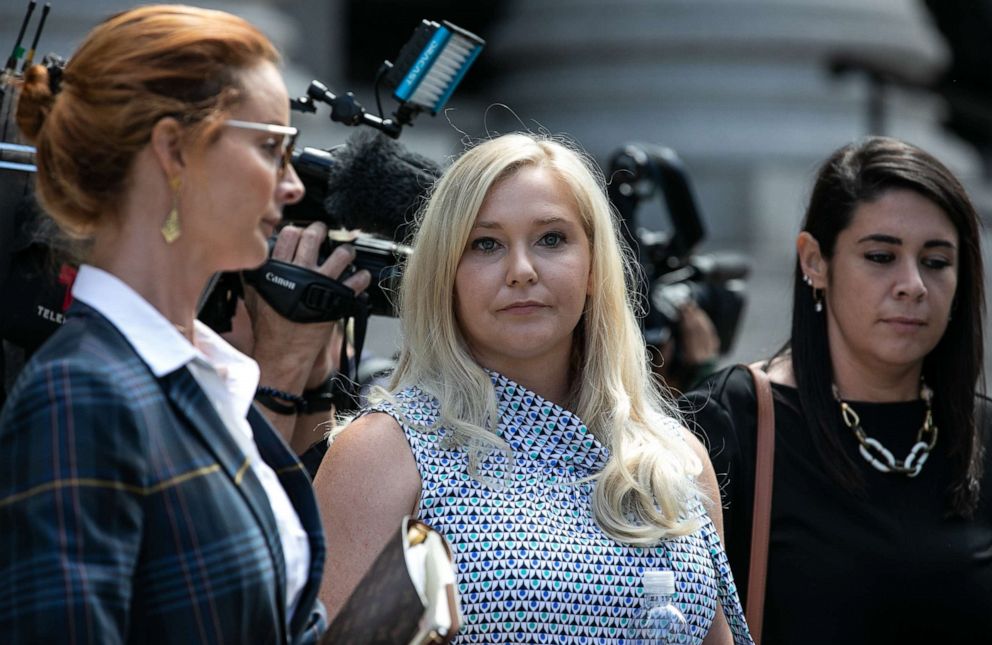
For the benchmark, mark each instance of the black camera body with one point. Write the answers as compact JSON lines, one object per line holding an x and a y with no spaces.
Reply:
{"x":306,"y":296}
{"x":673,"y":274}
{"x":371,"y":184}
{"x":383,"y":259}
{"x":715,"y":282}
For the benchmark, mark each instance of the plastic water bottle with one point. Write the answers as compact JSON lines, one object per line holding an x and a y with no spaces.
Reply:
{"x":659,"y":621}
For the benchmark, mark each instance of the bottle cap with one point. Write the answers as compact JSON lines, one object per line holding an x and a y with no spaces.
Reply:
{"x":659,"y":582}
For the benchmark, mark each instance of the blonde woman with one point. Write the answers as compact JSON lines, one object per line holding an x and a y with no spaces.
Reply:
{"x":522,"y":422}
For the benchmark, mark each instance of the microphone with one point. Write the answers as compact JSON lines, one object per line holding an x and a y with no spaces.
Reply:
{"x":372,"y":183}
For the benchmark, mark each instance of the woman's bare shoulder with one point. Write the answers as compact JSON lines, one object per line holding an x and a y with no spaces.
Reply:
{"x":369,"y":448}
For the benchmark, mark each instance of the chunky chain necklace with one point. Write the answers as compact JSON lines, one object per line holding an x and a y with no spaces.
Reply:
{"x":878,"y":455}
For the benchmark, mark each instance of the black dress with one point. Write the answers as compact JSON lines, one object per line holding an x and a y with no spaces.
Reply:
{"x":883,"y":566}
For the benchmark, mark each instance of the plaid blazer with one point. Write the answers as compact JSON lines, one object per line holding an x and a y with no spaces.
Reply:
{"x":128,"y":514}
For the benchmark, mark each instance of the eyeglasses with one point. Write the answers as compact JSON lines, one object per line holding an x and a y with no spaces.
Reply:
{"x":287,"y":133}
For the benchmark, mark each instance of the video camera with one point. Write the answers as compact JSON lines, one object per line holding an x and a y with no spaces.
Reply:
{"x":673,"y":273}
{"x":371,"y":184}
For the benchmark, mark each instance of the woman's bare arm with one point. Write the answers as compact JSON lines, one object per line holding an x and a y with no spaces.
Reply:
{"x":366,"y":483}
{"x":720,"y":631}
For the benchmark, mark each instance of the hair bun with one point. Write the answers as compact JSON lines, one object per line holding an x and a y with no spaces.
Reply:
{"x":35,"y":101}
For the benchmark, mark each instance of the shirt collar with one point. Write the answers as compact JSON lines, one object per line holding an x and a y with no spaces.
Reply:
{"x":238,"y":373}
{"x":154,"y":338}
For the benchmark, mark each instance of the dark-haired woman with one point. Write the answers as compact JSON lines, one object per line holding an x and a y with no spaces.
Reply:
{"x":143,"y":498}
{"x":881,"y":522}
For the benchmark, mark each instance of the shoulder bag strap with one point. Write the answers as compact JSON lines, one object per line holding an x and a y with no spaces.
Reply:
{"x":761,"y":516}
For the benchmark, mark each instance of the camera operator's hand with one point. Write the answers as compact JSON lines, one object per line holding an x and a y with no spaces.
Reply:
{"x":691,"y":353}
{"x":297,"y":356}
{"x":700,"y":342}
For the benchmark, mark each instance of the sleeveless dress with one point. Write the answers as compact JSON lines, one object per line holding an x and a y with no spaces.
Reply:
{"x":532,"y":564}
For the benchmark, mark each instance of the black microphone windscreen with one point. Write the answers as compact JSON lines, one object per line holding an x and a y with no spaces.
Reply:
{"x":377,"y":185}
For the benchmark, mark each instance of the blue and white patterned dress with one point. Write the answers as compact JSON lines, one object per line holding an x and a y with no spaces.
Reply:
{"x":533,"y":566}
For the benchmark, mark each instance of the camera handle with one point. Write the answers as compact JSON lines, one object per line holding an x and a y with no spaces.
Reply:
{"x":302,"y":295}
{"x":305,"y":296}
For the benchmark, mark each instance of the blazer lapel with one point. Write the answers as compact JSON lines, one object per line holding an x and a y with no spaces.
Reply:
{"x":191,"y":402}
{"x":299,"y":488}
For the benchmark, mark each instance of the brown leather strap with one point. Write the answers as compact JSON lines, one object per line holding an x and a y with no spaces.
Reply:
{"x":761,"y":517}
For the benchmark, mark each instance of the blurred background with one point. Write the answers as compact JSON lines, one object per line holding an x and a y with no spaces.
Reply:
{"x":750,"y":94}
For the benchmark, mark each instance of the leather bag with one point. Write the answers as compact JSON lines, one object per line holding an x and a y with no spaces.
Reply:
{"x":761,"y":516}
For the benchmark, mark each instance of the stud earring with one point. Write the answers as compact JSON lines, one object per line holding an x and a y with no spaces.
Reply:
{"x":171,"y":229}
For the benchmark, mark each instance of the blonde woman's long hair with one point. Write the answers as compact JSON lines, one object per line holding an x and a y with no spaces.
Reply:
{"x":647,"y":489}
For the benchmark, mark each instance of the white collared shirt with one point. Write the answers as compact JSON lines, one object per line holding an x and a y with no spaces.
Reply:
{"x":228,"y":378}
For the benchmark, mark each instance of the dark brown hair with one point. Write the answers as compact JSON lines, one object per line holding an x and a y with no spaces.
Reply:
{"x":132,"y":70}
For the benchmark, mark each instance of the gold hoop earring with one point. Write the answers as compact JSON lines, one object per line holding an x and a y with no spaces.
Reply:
{"x":171,"y":229}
